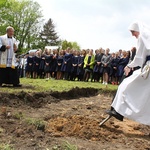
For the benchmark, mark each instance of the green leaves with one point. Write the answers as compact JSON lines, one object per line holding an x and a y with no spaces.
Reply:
{"x":2,"y":3}
{"x":25,"y":16}
{"x":72,"y":45}
{"x":48,"y":35}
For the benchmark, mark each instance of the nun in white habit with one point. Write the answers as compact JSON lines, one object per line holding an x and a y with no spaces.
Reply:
{"x":132,"y":99}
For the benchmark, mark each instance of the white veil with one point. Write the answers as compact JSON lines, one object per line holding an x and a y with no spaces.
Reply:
{"x":144,"y":31}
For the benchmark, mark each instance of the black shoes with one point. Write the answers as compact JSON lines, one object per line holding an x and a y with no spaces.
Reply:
{"x":14,"y":85}
{"x":115,"y":114}
{"x":17,"y":85}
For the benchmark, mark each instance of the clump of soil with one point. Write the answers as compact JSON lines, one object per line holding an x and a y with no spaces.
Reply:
{"x":45,"y":120}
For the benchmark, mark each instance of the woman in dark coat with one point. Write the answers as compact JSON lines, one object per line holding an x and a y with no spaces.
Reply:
{"x":67,"y":64}
{"x":80,"y":69}
{"x":114,"y":65}
{"x":53,"y":63}
{"x":36,"y":64}
{"x":97,"y":66}
{"x":29,"y":66}
{"x":59,"y":65}
{"x":122,"y":63}
{"x":42,"y":67}
{"x":48,"y":59}
{"x":75,"y":59}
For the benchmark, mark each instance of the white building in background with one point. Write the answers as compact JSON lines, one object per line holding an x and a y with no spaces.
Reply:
{"x":52,"y":48}
{"x":32,"y":50}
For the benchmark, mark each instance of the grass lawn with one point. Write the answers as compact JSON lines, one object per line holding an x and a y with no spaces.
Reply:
{"x":41,"y":85}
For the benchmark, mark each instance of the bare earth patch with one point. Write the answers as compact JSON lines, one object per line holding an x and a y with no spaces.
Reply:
{"x":43,"y":121}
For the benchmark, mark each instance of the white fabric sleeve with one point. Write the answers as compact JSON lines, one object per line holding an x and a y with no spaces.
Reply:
{"x":1,"y":42}
{"x":140,"y":56}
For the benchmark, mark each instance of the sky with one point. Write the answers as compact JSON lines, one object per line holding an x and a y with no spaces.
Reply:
{"x":96,"y":23}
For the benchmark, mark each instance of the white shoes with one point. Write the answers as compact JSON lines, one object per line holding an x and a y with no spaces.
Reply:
{"x":105,"y":83}
{"x":47,"y":79}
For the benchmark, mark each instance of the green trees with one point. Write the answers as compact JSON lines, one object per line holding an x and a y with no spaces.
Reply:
{"x":25,"y":16}
{"x":2,"y":3}
{"x":72,"y":45}
{"x":48,"y":35}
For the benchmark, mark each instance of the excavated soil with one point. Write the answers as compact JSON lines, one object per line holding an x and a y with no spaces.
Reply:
{"x":45,"y":121}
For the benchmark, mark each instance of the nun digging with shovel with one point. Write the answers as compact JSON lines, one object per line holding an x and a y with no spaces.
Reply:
{"x":132,"y":99}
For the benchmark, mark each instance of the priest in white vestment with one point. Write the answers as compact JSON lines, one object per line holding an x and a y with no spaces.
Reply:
{"x":8,"y":48}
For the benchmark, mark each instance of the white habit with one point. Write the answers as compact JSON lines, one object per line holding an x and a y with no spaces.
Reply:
{"x":132,"y":99}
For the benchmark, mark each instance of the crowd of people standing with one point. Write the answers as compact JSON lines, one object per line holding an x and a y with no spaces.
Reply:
{"x":85,"y":65}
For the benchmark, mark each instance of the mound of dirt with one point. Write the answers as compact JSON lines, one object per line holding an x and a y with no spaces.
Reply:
{"x":87,"y":128}
{"x":78,"y":126}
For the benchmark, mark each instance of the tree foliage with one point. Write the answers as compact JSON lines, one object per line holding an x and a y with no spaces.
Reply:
{"x":2,"y":3}
{"x":72,"y":45}
{"x":48,"y":35}
{"x":24,"y":16}
{"x":75,"y":46}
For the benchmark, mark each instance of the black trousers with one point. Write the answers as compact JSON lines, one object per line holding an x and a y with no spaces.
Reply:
{"x":9,"y":76}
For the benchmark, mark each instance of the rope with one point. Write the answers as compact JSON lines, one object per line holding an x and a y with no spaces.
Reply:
{"x":145,"y":71}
